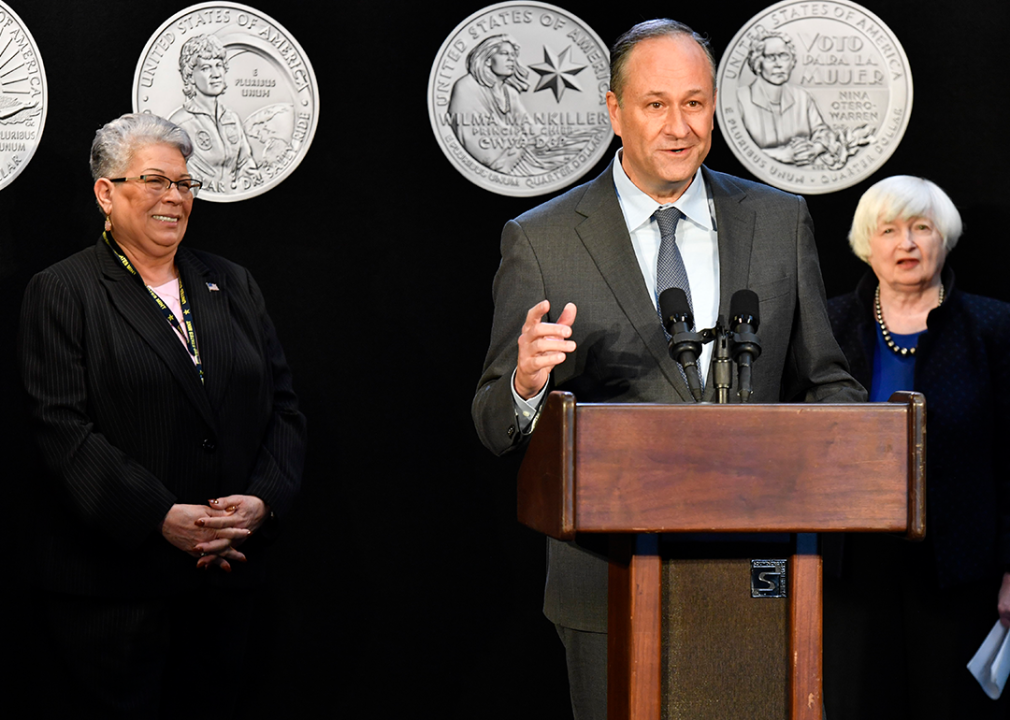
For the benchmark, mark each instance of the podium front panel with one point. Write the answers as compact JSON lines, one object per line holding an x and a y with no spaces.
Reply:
{"x":730,"y":468}
{"x":725,"y":654}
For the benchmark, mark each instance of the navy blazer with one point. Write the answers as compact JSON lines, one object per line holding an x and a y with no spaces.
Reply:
{"x":127,"y":429}
{"x":961,"y":362}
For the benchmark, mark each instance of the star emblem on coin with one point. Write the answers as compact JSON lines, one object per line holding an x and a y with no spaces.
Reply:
{"x":554,"y":75}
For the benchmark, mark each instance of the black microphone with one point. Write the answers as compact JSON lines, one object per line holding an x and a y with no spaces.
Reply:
{"x":743,"y":309}
{"x":685,"y":345}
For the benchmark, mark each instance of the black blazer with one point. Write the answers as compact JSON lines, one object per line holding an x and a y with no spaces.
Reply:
{"x":961,"y":363}
{"x":126,"y":428}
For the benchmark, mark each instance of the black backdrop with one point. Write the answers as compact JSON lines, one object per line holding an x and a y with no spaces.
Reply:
{"x":403,"y":580}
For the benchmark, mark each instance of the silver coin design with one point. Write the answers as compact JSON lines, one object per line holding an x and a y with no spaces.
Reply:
{"x":814,"y":96}
{"x":241,"y":86}
{"x":517,"y":98}
{"x":24,"y":96}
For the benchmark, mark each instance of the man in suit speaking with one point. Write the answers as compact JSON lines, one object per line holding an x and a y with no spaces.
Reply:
{"x":580,"y":277}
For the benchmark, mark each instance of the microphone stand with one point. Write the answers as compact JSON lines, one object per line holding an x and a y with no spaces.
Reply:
{"x":746,"y":349}
{"x":685,"y":348}
{"x":722,"y":365}
{"x":743,"y":347}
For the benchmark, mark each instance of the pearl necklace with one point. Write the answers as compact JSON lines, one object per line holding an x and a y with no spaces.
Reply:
{"x":898,"y":350}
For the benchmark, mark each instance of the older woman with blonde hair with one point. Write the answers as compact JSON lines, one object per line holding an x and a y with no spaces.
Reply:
{"x":903,"y":619}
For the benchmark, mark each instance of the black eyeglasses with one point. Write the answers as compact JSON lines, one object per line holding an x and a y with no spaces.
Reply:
{"x":159,"y":184}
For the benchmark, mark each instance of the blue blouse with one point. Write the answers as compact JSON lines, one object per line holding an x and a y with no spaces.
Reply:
{"x":891,"y":371}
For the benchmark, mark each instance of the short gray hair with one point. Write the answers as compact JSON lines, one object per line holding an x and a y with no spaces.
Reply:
{"x":116,"y":142}
{"x":649,"y":30}
{"x":903,"y":197}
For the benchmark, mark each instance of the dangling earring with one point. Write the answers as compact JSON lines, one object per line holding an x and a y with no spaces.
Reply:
{"x":108,"y":223}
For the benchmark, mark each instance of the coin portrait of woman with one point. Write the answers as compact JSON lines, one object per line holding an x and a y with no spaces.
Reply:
{"x":780,"y":117}
{"x":487,"y":115}
{"x":222,"y":158}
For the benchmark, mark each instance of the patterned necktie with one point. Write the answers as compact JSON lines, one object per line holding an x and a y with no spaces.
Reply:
{"x":670,"y":270}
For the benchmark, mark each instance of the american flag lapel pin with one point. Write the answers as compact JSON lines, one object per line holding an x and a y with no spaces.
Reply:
{"x":213,"y":287}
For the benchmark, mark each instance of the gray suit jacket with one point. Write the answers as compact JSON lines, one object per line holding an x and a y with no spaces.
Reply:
{"x":576,"y":248}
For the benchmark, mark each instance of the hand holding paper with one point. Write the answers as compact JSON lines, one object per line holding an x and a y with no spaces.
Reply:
{"x":991,"y":664}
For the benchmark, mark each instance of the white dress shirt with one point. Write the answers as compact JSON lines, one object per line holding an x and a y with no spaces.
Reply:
{"x":697,"y":238}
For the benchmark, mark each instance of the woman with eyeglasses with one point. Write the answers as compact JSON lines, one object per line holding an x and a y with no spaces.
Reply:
{"x":171,"y":438}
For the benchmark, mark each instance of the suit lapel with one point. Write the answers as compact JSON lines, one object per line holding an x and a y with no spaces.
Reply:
{"x":136,"y":307}
{"x":211,"y":320}
{"x":605,"y":236}
{"x":735,"y":227}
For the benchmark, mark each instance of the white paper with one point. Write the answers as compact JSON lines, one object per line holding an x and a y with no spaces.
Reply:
{"x":991,"y":664}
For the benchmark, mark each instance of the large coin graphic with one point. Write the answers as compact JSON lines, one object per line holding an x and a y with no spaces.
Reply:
{"x":243,"y":89}
{"x":814,"y":96}
{"x":24,"y":96}
{"x":517,"y":98}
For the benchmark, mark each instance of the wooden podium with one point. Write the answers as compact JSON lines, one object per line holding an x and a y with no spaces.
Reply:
{"x":633,"y":470}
